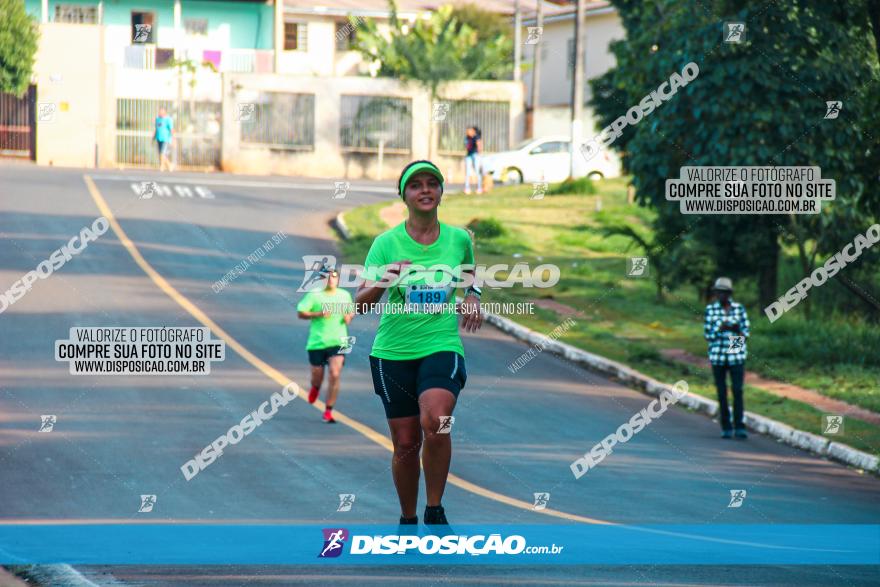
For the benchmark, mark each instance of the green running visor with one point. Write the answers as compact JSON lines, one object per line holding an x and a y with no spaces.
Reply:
{"x":423,"y":166}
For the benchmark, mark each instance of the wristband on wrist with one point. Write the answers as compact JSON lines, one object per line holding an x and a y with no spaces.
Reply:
{"x":473,"y":290}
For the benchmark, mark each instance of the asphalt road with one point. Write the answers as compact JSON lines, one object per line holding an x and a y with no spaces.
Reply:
{"x":117,"y":437}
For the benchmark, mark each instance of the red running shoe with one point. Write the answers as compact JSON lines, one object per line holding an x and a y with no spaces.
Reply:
{"x":313,"y":394}
{"x":328,"y":417}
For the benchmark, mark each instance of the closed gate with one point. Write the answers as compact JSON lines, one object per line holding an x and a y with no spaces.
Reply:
{"x":197,"y":128}
{"x":18,"y":130}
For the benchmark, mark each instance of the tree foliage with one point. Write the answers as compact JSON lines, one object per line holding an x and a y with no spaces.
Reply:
{"x":760,"y":102}
{"x":19,"y":37}
{"x":491,"y":28}
{"x":433,"y":50}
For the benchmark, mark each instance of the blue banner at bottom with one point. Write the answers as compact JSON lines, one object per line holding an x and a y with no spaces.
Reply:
{"x":182,"y":544}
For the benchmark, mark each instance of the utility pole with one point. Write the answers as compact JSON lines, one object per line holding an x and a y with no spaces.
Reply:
{"x":536,"y":69}
{"x":517,"y":42}
{"x":577,"y":86}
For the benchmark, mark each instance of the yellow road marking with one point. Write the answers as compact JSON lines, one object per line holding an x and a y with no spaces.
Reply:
{"x":279,"y":378}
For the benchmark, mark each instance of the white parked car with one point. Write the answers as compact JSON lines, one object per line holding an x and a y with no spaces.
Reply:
{"x":546,"y":159}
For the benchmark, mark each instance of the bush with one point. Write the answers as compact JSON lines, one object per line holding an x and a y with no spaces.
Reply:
{"x":578,"y":186}
{"x":486,"y":228}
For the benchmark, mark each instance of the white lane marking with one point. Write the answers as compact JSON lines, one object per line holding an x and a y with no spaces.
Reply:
{"x":253,"y":184}
{"x":146,"y":190}
{"x":204,"y":192}
{"x":183,"y":191}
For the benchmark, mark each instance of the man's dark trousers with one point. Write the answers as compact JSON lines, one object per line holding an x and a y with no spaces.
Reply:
{"x":737,"y":373}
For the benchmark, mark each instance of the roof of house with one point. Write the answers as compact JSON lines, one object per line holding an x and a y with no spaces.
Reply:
{"x":566,"y":12}
{"x":381,"y":7}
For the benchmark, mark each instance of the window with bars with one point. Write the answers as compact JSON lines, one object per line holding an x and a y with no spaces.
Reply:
{"x":367,"y":120}
{"x":278,"y":120}
{"x":295,"y":36}
{"x":196,"y":26}
{"x":76,"y":13}
{"x":197,"y":132}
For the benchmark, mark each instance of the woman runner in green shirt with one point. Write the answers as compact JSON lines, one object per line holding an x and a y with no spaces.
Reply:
{"x":417,"y":358}
{"x":328,"y":332}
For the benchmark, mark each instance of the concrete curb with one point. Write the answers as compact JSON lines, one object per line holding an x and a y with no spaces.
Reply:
{"x":340,"y":225}
{"x":762,"y":425}
{"x":797,"y":438}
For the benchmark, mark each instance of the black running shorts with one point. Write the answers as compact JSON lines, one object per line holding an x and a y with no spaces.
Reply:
{"x":318,"y":357}
{"x":399,"y":383}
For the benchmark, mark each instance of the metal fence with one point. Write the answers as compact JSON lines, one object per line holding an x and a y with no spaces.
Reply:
{"x":278,"y":120}
{"x":367,"y":120}
{"x":197,"y":132}
{"x":492,"y":118}
{"x":17,"y":125}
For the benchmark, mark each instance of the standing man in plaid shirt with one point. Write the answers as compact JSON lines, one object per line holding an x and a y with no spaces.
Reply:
{"x":726,"y":328}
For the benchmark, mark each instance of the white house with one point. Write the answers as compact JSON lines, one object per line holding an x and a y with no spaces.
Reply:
{"x":555,"y":46}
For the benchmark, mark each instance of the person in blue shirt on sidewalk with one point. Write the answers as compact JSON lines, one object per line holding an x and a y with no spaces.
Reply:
{"x":164,"y":135}
{"x":726,"y":328}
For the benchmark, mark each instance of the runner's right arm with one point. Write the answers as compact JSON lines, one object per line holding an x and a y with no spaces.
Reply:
{"x":370,"y":292}
{"x":305,"y":309}
{"x":310,"y":315}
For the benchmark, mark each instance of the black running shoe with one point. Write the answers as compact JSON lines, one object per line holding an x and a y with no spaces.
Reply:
{"x":408,"y":526}
{"x":434,"y":515}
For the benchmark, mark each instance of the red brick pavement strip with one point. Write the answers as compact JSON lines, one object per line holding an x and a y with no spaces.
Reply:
{"x":7,"y":579}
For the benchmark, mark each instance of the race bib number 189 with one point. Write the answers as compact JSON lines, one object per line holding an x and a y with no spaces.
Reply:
{"x":423,"y":296}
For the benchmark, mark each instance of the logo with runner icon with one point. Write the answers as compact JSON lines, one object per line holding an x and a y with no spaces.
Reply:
{"x":734,"y":32}
{"x":148,"y":189}
{"x":334,"y":540}
{"x":637,"y":267}
{"x":147,"y":503}
{"x":832,"y":109}
{"x":142,"y":33}
{"x":446,"y":423}
{"x":541,"y":500}
{"x":47,"y":423}
{"x":832,"y":424}
{"x":539,"y":190}
{"x":340,"y":189}
{"x":346,"y":344}
{"x":318,"y":269}
{"x":737,"y":497}
{"x":736,"y":344}
{"x":346,"y":500}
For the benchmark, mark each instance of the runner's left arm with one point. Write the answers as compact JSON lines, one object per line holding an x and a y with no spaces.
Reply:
{"x":473,"y":314}
{"x":470,"y":307}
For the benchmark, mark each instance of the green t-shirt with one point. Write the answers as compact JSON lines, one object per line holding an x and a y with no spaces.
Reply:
{"x":413,"y":335}
{"x":328,"y":331}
